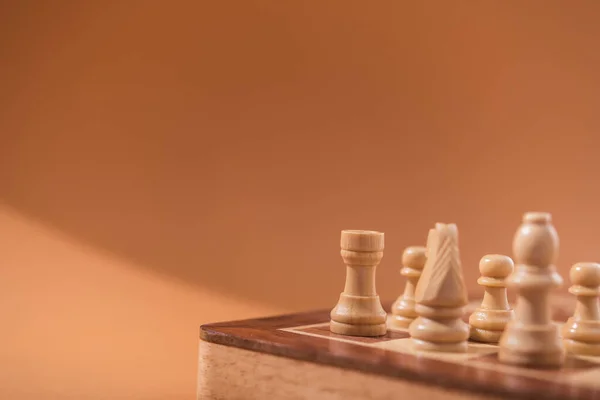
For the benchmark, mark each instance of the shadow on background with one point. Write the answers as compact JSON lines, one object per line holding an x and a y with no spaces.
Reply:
{"x":227,"y":145}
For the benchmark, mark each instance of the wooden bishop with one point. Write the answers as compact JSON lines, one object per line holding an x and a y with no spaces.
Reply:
{"x":531,"y":339}
{"x":441,"y":295}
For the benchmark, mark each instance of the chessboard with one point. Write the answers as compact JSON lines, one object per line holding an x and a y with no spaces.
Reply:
{"x":296,"y":356}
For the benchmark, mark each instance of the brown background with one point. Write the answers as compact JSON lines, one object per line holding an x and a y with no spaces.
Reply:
{"x":165,"y":164}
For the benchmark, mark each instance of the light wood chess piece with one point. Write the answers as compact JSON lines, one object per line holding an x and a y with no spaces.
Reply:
{"x":359,"y":311}
{"x":489,"y":320}
{"x":403,"y":309}
{"x":441,"y":295}
{"x":531,"y":339}
{"x":581,"y":333}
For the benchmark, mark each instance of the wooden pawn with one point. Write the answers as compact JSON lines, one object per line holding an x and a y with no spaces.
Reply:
{"x":403,"y":309}
{"x":489,"y":320}
{"x":581,"y":333}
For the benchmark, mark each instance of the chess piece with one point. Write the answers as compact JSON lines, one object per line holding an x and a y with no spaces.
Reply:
{"x":403,"y":309}
{"x":581,"y":333}
{"x":359,"y":311}
{"x":531,"y":339}
{"x":488,"y":321}
{"x":441,"y":295}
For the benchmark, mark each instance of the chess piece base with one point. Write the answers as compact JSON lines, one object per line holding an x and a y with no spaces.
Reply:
{"x":487,"y":326}
{"x":358,"y":310}
{"x":403,"y":312}
{"x":491,"y":320}
{"x":439,"y":330}
{"x":587,"y":331}
{"x":357,"y":330}
{"x":581,"y":348}
{"x":453,"y":347}
{"x":532,"y":346}
{"x":400,"y":321}
{"x":484,"y":335}
{"x":539,"y":360}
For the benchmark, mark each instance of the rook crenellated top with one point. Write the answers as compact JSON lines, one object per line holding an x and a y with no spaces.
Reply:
{"x":357,"y":240}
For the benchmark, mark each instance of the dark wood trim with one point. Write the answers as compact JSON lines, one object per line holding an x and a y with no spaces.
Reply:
{"x":264,"y":335}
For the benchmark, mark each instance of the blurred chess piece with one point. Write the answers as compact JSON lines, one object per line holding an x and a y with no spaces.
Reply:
{"x":489,"y":320}
{"x":531,"y":339}
{"x":359,"y":311}
{"x":581,"y":333}
{"x":403,"y":309}
{"x":441,"y":296}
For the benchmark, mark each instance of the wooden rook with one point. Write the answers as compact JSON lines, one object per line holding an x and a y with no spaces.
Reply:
{"x":531,"y":339}
{"x":489,"y":320}
{"x":403,"y":309}
{"x":441,"y":295}
{"x":581,"y":333}
{"x":359,"y":311}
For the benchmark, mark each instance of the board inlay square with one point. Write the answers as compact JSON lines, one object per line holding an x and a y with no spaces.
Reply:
{"x":475,"y":350}
{"x":323,"y":330}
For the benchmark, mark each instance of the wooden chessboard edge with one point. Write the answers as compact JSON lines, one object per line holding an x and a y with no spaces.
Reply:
{"x":229,"y":336}
{"x":433,"y":372}
{"x":264,"y":335}
{"x":288,"y":379}
{"x":271,"y":320}
{"x":431,"y":377}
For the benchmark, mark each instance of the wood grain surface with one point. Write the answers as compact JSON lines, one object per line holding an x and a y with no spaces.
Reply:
{"x":264,"y":335}
{"x":231,"y":373}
